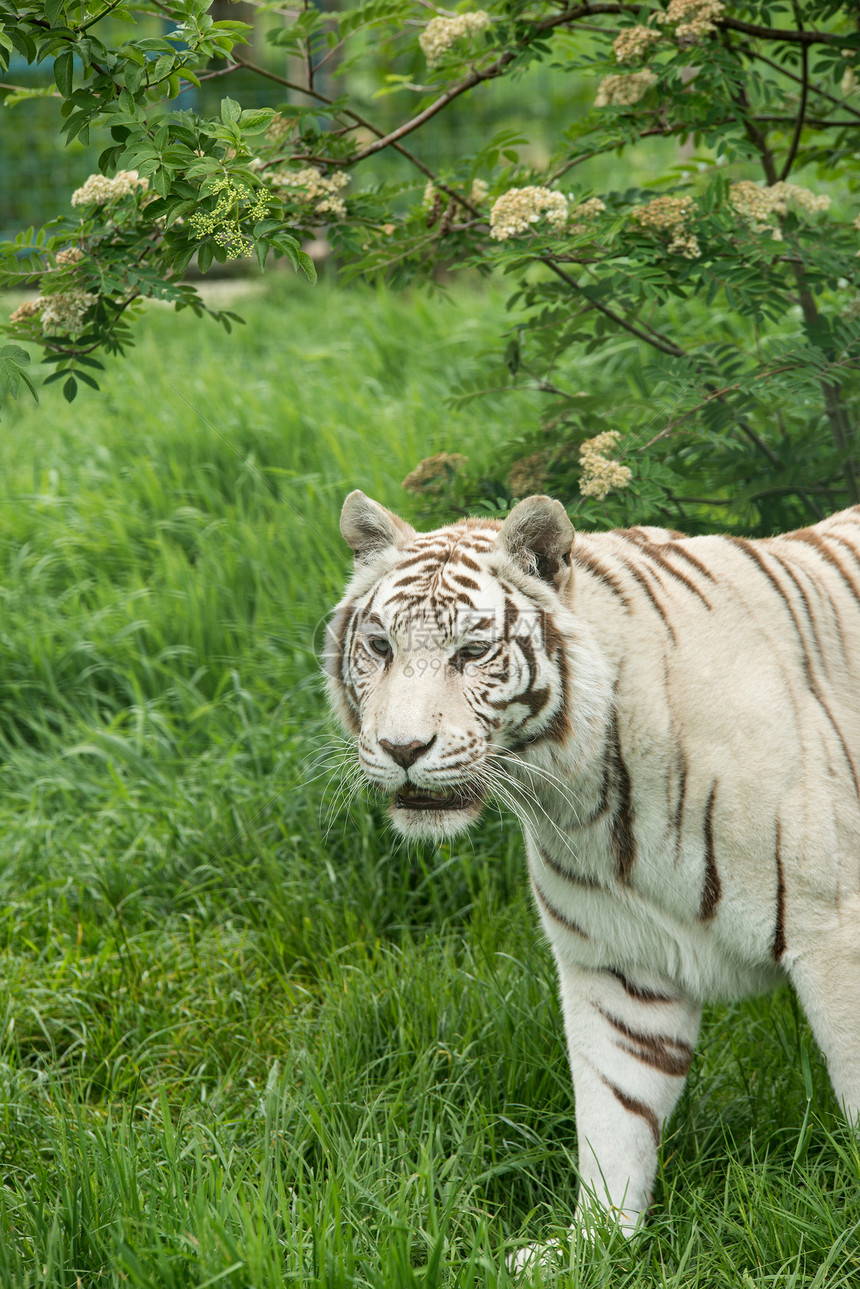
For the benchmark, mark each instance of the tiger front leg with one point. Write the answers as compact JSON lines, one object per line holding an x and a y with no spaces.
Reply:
{"x":630,"y":1042}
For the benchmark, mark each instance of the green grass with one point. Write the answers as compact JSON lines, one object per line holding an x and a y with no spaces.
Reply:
{"x":248,"y":1038}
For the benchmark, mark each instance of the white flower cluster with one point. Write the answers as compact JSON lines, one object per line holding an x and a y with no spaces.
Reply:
{"x":71,"y":255}
{"x":671,"y":215}
{"x":441,"y":33}
{"x":601,"y":473}
{"x":477,"y":193}
{"x":64,"y":311}
{"x":519,"y":208}
{"x":758,"y":206}
{"x":632,"y":44}
{"x":61,"y":313}
{"x":584,"y":214}
{"x":692,"y":19}
{"x":279,"y":127}
{"x":99,"y":189}
{"x":433,"y":473}
{"x":315,"y":189}
{"x":622,"y":91}
{"x":26,"y":310}
{"x":528,"y":475}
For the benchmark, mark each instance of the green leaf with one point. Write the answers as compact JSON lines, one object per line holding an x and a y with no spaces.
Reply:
{"x":22,"y":95}
{"x":204,"y":166}
{"x":13,"y":360}
{"x":64,"y":67}
{"x":253,"y":120}
{"x":230,"y":111}
{"x":70,"y":390}
{"x":53,"y":11}
{"x":163,"y":67}
{"x":307,"y":265}
{"x":133,"y":76}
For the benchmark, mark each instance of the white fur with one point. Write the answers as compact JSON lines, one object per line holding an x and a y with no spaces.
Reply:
{"x":720,"y":684}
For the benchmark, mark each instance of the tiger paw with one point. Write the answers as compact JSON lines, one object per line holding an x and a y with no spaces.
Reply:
{"x":548,"y":1259}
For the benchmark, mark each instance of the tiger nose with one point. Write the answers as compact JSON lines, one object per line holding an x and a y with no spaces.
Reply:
{"x":406,"y":754}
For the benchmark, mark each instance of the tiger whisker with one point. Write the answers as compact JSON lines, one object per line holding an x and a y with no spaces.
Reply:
{"x":531,"y":799}
{"x":350,"y":784}
{"x":559,"y":785}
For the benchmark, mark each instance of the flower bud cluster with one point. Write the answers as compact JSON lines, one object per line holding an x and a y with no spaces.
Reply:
{"x":519,"y":208}
{"x":692,"y":19}
{"x":601,"y":473}
{"x":314,"y":189}
{"x":671,"y":215}
{"x":632,"y":44}
{"x":622,"y":91}
{"x":759,"y":206}
{"x":222,"y":222}
{"x":99,"y":189}
{"x":441,"y":33}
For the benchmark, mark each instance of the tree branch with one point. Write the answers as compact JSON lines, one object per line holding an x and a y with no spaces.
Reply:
{"x":777,"y":33}
{"x":655,"y":340}
{"x":816,"y":89}
{"x":98,"y":17}
{"x":667,"y":347}
{"x":495,"y":69}
{"x":488,"y":73}
{"x":801,"y":110}
{"x":367,"y":125}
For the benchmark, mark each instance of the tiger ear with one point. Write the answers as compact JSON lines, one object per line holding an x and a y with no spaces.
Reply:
{"x":538,"y":535}
{"x":369,"y":528}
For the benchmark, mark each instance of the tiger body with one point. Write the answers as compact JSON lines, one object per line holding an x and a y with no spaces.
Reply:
{"x":676,"y":723}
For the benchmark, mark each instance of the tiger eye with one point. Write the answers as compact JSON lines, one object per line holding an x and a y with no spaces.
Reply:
{"x":477,"y":649}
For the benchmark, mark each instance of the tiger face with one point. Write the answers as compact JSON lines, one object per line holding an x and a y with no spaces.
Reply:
{"x":446,"y":658}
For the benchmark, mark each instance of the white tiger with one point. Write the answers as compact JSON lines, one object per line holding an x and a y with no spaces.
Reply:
{"x":676,"y":723}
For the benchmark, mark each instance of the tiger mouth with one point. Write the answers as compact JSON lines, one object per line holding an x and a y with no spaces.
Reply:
{"x":412,"y":798}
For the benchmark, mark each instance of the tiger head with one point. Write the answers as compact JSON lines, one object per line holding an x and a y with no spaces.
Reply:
{"x":454,"y":656}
